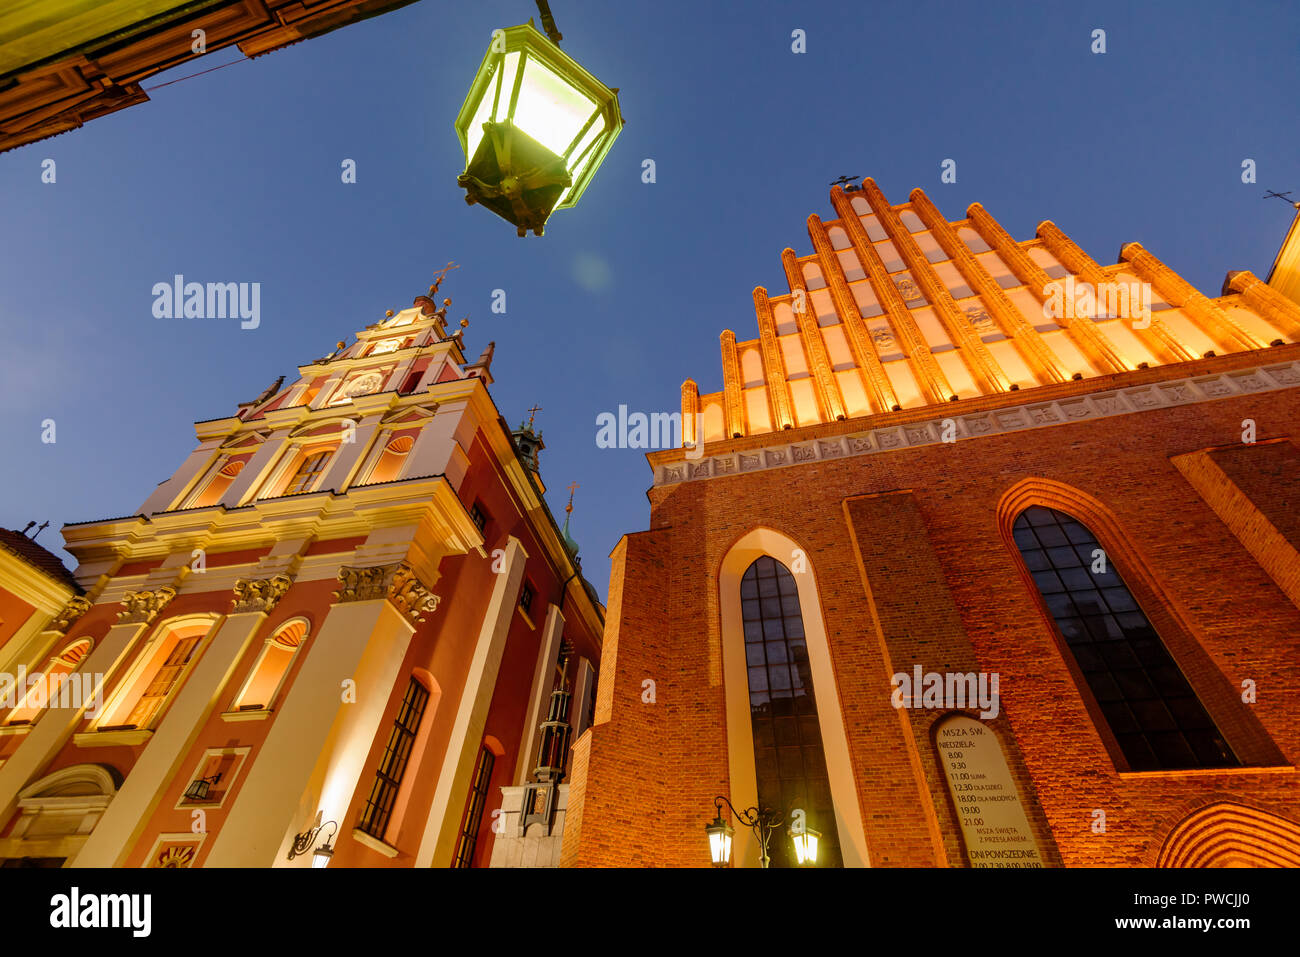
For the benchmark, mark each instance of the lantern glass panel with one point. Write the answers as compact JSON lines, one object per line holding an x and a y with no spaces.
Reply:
{"x":549,"y":109}
{"x":502,"y":80}
{"x":719,"y":846}
{"x":805,"y":847}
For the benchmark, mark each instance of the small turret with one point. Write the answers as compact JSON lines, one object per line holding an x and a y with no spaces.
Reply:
{"x":529,"y":443}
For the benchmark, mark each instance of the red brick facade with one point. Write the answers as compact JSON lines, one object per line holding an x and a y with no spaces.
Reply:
{"x":914,"y":562}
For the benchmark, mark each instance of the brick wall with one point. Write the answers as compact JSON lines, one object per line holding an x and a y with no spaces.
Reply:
{"x":928,"y":573}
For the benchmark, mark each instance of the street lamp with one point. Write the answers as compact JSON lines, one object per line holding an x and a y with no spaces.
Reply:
{"x":719,"y":840}
{"x":320,"y":856}
{"x":535,"y":126}
{"x":763,"y":821}
{"x":805,"y":845}
{"x":199,"y":790}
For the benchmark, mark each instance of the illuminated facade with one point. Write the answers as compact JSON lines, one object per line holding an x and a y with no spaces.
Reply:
{"x":985,"y":554}
{"x":65,"y":62}
{"x":347,"y":607}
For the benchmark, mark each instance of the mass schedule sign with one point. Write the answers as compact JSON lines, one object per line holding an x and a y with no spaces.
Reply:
{"x":993,"y":820}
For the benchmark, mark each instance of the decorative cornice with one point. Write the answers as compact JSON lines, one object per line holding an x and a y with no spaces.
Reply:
{"x":396,"y":582}
{"x":143,"y":606}
{"x":1016,"y":418}
{"x":258,"y":594}
{"x":74,"y":609}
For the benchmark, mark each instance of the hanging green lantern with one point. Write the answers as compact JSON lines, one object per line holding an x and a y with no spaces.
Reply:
{"x":535,"y":127}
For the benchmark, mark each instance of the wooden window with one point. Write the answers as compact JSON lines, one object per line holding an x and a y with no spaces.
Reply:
{"x":789,"y":762}
{"x":156,"y":692}
{"x":478,"y":794}
{"x":392,"y":766}
{"x":1156,"y":717}
{"x":309,"y":469}
{"x":479,"y":517}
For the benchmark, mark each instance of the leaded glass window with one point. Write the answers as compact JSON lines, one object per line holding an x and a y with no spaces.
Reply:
{"x":788,"y":755}
{"x":1156,"y":717}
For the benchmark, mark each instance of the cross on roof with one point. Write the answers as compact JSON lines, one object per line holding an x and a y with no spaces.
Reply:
{"x":532,"y":414}
{"x":437,"y":278}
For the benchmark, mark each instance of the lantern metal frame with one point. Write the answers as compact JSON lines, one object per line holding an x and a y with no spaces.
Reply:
{"x":199,"y":788}
{"x":303,"y":842}
{"x":530,"y":172}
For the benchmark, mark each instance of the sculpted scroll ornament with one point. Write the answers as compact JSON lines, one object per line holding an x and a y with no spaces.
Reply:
{"x":74,"y":609}
{"x":397,"y":582}
{"x":410,"y":596}
{"x":143,"y":606}
{"x":258,"y":594}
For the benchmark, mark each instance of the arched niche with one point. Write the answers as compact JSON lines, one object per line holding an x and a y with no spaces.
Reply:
{"x":57,"y":812}
{"x":740,"y":738}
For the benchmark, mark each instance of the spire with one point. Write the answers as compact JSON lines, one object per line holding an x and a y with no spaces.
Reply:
{"x":569,"y":543}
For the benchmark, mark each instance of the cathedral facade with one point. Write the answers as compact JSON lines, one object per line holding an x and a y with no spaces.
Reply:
{"x":984,"y":555}
{"x":329,"y":638}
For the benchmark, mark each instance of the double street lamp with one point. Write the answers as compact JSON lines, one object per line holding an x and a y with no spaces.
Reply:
{"x":764,"y":822}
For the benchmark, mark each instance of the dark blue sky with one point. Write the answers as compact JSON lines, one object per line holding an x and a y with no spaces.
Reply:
{"x":234,"y":176}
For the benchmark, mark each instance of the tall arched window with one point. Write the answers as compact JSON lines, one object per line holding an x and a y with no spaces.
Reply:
{"x":788,"y":758}
{"x":164,"y":660}
{"x":53,"y":686}
{"x":1156,"y":718}
{"x":216,"y":488}
{"x":259,"y":692}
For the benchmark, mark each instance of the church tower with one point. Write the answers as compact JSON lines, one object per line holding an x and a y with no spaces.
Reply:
{"x":331,"y":635}
{"x":984,"y":554}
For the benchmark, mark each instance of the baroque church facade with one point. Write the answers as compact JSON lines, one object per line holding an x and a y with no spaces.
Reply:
{"x":330,"y":637}
{"x":984,"y":555}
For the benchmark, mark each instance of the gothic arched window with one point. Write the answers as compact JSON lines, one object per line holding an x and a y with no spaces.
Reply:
{"x":1156,"y":717}
{"x":788,"y":758}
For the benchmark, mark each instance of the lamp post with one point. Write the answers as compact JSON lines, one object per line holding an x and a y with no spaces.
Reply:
{"x":535,"y":126}
{"x":764,"y":822}
{"x":304,"y":841}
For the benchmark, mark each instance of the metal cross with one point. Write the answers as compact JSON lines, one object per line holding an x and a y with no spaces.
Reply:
{"x":532,"y":413}
{"x":437,"y":279}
